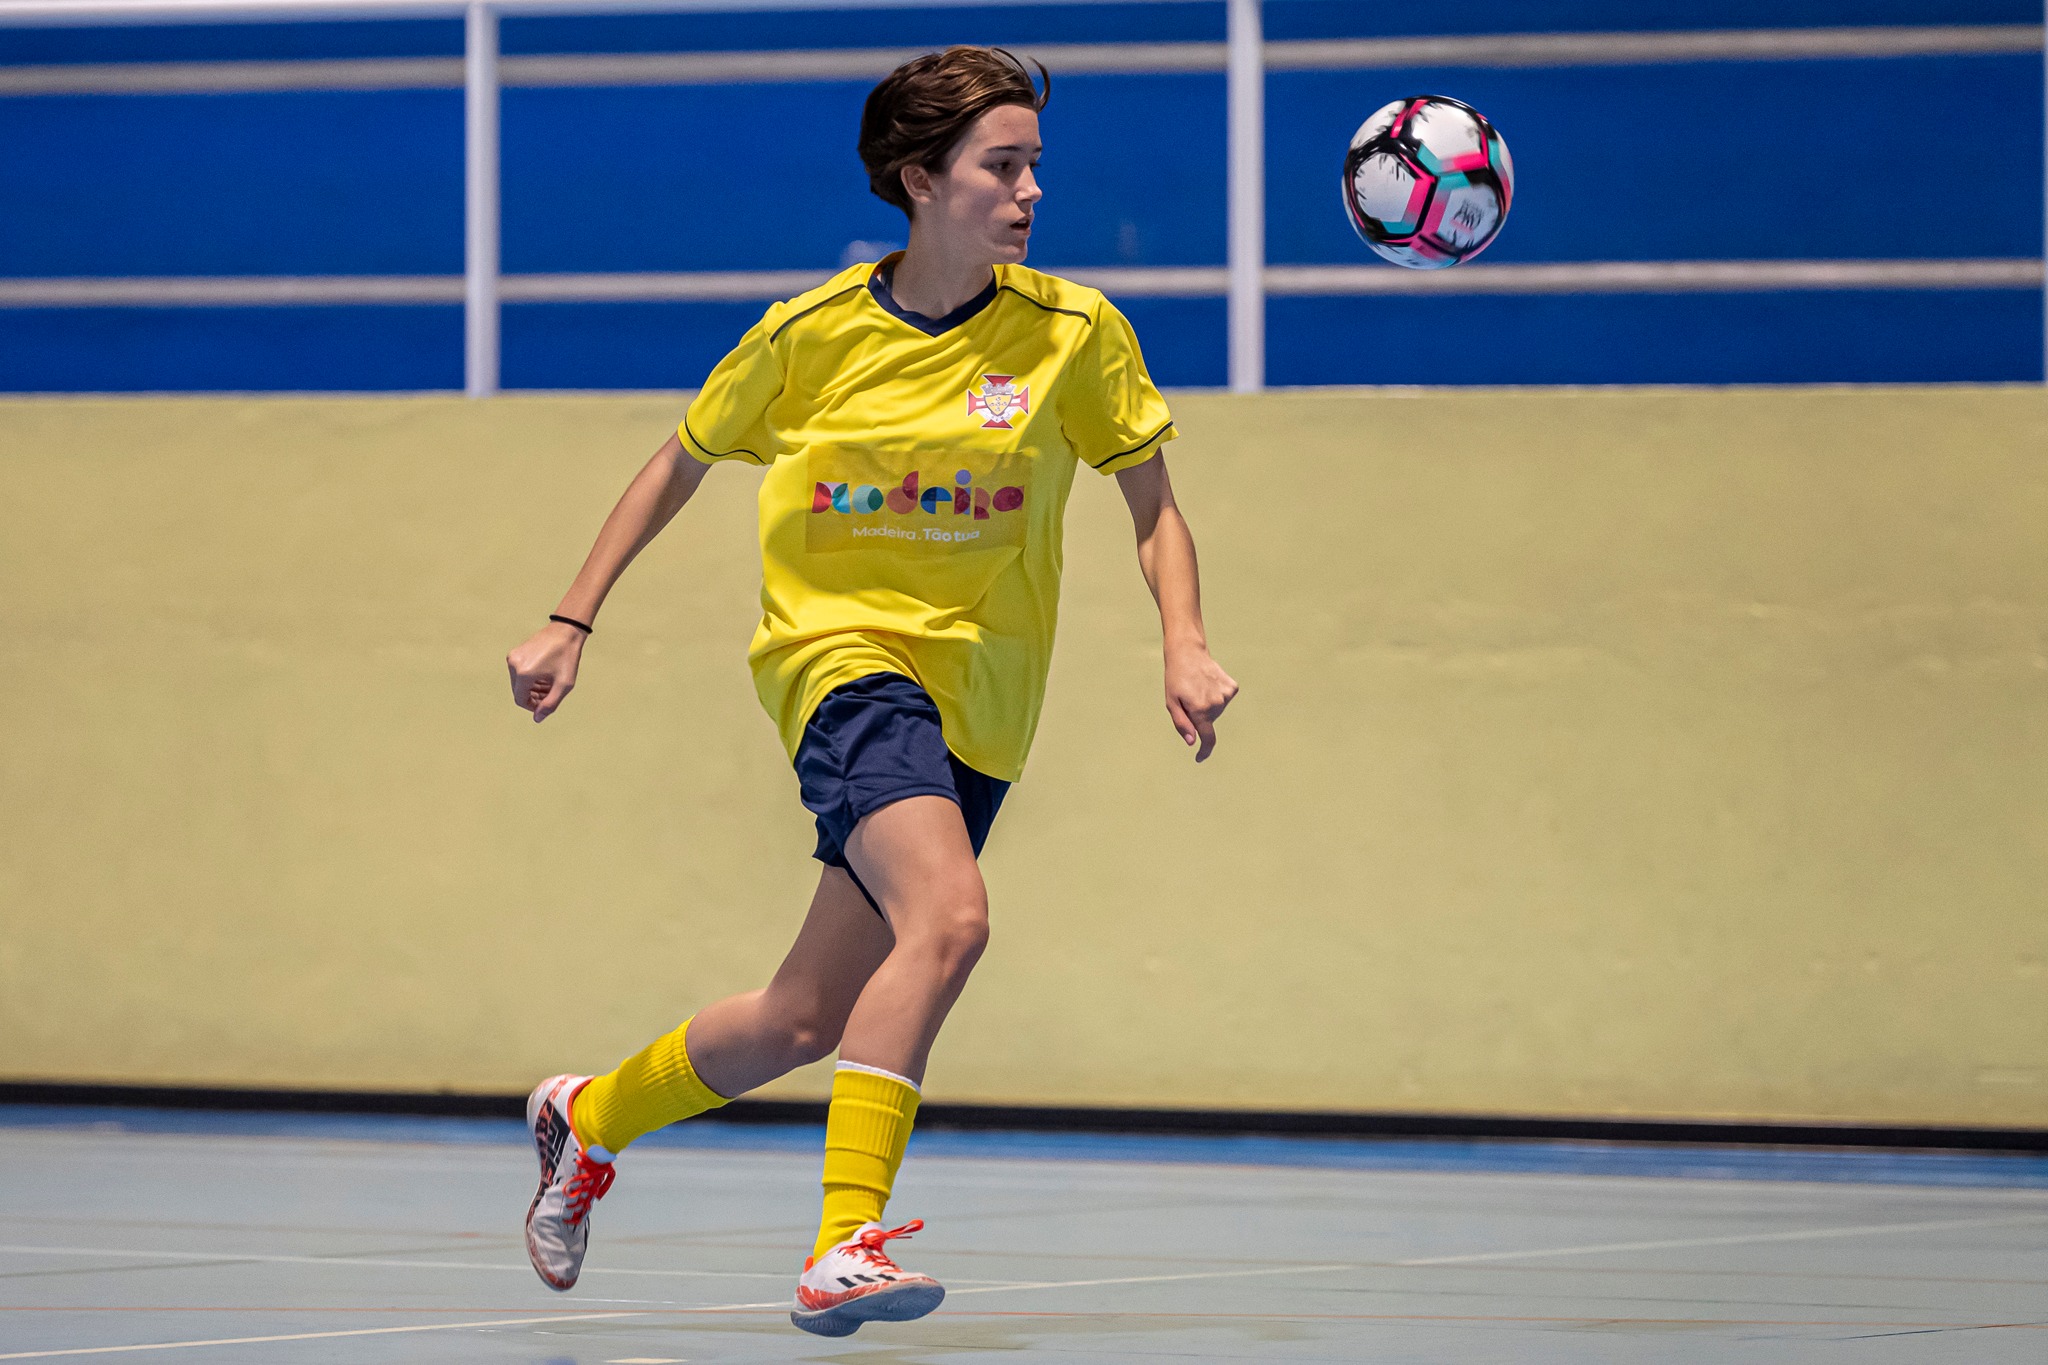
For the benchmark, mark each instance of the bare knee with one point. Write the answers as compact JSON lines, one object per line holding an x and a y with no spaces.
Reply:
{"x":962,"y":938}
{"x":950,"y":929}
{"x":967,"y":934}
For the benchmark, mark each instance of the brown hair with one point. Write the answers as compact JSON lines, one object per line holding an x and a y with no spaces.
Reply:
{"x":922,"y":109}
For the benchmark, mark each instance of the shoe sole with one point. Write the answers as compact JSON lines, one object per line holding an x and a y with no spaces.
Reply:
{"x":902,"y":1304}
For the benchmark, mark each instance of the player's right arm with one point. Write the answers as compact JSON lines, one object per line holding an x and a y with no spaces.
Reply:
{"x":726,"y":421}
{"x":544,"y":668}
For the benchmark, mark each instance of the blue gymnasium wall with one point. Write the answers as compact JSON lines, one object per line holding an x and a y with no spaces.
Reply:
{"x":1716,"y":160}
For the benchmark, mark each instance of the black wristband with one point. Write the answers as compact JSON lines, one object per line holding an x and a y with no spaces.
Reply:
{"x":572,"y":621}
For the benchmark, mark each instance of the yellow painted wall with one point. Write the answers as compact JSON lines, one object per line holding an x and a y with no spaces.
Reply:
{"x":1632,"y":752}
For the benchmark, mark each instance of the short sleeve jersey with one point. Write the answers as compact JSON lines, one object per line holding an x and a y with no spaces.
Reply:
{"x":918,"y":472}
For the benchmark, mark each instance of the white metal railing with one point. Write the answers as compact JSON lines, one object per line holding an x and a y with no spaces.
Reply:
{"x":1133,"y":281}
{"x":1177,"y":57}
{"x":480,"y":202}
{"x":1245,"y":77}
{"x":1246,"y":278}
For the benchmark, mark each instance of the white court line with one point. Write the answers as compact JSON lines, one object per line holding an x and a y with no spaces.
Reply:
{"x":1161,"y":1279}
{"x":312,"y":1336}
{"x":1743,"y":1239}
{"x":593,"y":1317}
{"x":1810,"y":1234}
{"x":1803,"y":1235}
{"x":1589,"y":1249}
{"x":231,"y":1258}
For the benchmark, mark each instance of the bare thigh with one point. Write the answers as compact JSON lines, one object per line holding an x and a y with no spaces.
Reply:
{"x":915,"y":855}
{"x":916,"y":858}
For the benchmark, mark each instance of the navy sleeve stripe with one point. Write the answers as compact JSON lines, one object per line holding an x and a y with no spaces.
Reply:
{"x":691,"y":437}
{"x":1109,"y":459}
{"x":1050,"y":308}
{"x":829,"y":298}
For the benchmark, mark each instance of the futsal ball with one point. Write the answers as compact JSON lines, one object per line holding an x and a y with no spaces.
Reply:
{"x":1427,"y":182}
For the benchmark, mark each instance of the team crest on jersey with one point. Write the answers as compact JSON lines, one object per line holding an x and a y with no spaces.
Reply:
{"x":1000,"y":399}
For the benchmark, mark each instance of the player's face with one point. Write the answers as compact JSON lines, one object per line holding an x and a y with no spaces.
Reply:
{"x":983,"y":202}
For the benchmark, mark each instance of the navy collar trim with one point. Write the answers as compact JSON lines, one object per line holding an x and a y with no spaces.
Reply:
{"x":878,"y":285}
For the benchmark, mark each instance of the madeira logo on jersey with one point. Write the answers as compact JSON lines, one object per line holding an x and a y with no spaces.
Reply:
{"x":861,"y":499}
{"x":1000,"y":396}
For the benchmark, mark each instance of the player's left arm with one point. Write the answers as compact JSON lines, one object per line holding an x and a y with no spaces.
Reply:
{"x":1197,"y":688}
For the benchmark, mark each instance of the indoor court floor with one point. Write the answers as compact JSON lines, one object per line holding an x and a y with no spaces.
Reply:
{"x":279,"y":1239}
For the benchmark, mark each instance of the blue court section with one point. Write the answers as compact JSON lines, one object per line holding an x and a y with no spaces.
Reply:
{"x":1730,"y":1161}
{"x":1833,"y":337}
{"x":1703,"y":161}
{"x":149,"y":350}
{"x":295,"y":183}
{"x":1923,"y":157}
{"x":1845,"y":336}
{"x":259,"y":1238}
{"x":1767,"y":160}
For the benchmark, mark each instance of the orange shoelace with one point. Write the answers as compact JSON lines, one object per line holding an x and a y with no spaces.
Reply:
{"x":585,"y":1188}
{"x":871,"y":1243}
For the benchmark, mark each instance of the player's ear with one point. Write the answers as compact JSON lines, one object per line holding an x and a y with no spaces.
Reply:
{"x":917,"y":183}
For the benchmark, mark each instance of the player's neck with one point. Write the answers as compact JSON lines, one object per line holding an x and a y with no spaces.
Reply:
{"x":933,"y":281}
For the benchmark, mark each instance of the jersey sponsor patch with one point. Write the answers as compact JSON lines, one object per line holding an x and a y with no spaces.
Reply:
{"x":925,"y":503}
{"x":1001,"y":398}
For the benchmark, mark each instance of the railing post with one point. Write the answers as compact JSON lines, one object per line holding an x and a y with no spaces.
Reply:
{"x":480,"y":199}
{"x":1247,"y":100}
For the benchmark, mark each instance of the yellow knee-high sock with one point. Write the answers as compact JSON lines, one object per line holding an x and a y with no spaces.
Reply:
{"x":865,"y":1133}
{"x":651,"y":1089}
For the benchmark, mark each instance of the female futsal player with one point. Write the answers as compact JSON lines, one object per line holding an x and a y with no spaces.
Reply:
{"x":920,"y":421}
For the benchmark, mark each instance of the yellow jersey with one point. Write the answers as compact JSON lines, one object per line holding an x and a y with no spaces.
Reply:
{"x":918,"y":472}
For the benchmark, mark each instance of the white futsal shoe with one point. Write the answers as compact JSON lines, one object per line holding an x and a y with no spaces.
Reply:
{"x":856,"y":1282}
{"x":572,"y":1178}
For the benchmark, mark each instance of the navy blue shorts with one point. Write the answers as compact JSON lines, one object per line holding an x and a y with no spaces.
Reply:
{"x":877,"y":740}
